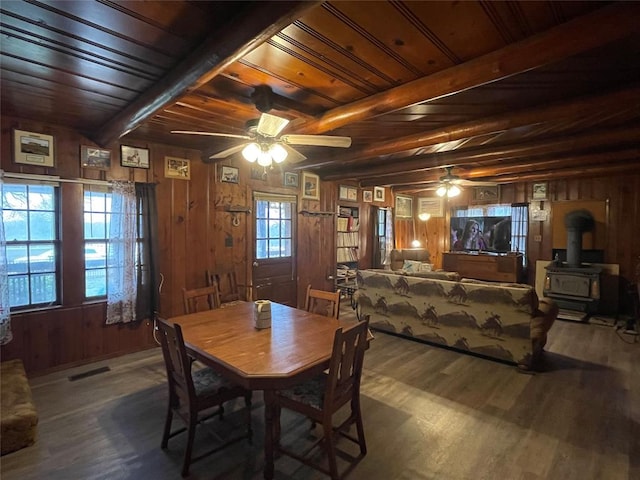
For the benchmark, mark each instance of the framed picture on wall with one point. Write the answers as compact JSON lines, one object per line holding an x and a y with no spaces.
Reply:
{"x":540,"y":191}
{"x":33,"y":148}
{"x":434,"y":206}
{"x":290,"y":179}
{"x":404,"y":206}
{"x":348,"y":193}
{"x":93,"y":157}
{"x":367,"y":196}
{"x":179,"y":168}
{"x":135,"y":157}
{"x":378,"y":194}
{"x":310,"y":186}
{"x":486,"y":194}
{"x":229,"y":174}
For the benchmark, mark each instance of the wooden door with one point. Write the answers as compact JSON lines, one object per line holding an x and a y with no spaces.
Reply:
{"x":274,"y":243}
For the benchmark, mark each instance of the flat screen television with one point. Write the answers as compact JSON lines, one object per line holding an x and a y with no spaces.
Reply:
{"x":490,"y":234}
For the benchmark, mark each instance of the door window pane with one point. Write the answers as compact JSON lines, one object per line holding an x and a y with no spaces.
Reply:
{"x":273,"y":229}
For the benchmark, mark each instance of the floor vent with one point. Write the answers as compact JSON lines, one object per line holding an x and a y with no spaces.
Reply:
{"x":89,"y":373}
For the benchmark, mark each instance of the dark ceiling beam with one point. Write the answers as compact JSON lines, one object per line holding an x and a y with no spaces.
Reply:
{"x":576,"y":36}
{"x":497,"y":172}
{"x":572,"y":110}
{"x":223,"y":47}
{"x":570,"y":172}
{"x":575,"y":171}
{"x":481,"y":155}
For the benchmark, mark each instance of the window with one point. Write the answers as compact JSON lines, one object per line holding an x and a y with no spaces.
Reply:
{"x":30,"y":217}
{"x":97,"y":208}
{"x":273,"y":229}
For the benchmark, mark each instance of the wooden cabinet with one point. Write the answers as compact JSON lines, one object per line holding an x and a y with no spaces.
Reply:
{"x":347,"y":245}
{"x":483,"y":266}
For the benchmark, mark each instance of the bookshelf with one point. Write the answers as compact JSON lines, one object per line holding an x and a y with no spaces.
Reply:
{"x":347,"y":244}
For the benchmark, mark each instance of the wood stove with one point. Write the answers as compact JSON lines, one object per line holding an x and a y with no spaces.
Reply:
{"x":572,"y":284}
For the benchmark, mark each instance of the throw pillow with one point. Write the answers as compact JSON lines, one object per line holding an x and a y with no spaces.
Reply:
{"x":425,"y":267}
{"x":411,"y":266}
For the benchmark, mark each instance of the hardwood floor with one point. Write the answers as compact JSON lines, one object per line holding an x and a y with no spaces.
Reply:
{"x":429,"y":413}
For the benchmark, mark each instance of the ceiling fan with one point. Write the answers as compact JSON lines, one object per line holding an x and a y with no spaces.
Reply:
{"x":263,"y":142}
{"x":449,"y":185}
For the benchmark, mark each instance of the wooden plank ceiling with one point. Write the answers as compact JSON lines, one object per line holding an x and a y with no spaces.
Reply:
{"x":502,"y":91}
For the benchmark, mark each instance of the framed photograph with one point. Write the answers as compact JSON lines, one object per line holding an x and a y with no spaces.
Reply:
{"x":540,"y":191}
{"x":229,"y":174}
{"x":348,"y":193}
{"x":378,"y":194}
{"x":434,"y":206}
{"x":290,"y":179}
{"x":310,"y":186}
{"x":33,"y":148}
{"x":93,"y":157}
{"x":489,"y":194}
{"x":135,"y":157}
{"x":404,"y":206}
{"x":179,"y":168}
{"x":259,"y":174}
{"x":367,"y":195}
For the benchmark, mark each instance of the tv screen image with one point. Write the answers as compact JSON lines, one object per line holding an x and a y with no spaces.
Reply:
{"x":491,"y":234}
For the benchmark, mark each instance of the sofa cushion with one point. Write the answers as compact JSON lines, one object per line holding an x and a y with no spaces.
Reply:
{"x":414,"y":266}
{"x":398,"y":256}
{"x":19,"y":416}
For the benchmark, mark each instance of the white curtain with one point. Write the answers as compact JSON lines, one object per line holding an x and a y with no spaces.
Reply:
{"x":389,"y":243}
{"x":121,"y":255}
{"x":5,"y":317}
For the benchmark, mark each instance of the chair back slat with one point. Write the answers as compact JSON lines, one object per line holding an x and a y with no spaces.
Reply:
{"x":322,"y":302}
{"x":199,"y":299}
{"x":227,"y":283}
{"x":345,"y":368}
{"x":181,"y":388}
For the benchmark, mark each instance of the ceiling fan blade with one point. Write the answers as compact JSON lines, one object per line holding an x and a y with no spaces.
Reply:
{"x":271,"y":125}
{"x":475,"y":183}
{"x":317,"y":140}
{"x":229,"y":151}
{"x":212,"y":134}
{"x":293,"y":155}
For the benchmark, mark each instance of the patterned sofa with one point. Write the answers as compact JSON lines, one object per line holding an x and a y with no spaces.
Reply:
{"x":502,"y":321}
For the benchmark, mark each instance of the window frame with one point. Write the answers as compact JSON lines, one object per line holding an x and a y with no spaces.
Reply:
{"x":56,"y":243}
{"x":104,"y":241}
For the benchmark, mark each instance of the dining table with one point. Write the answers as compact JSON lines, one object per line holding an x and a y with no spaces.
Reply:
{"x":297,"y":346}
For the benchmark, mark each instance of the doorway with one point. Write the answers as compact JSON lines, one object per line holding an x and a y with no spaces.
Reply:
{"x":274,"y":240}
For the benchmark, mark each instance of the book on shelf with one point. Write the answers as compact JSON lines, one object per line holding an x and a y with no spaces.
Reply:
{"x":349,"y":254}
{"x":347,"y":239}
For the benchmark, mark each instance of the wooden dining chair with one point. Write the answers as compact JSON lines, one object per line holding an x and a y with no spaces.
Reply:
{"x":227,"y":283}
{"x":199,"y":299}
{"x":323,"y":396}
{"x":195,"y":397}
{"x":322,"y":302}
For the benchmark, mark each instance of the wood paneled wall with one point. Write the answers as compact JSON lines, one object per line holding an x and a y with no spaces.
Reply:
{"x":196,"y":233}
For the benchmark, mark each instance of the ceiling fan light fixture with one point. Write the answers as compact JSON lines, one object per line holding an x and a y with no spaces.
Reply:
{"x":264,"y":159}
{"x":251,"y":152}
{"x":278,"y":153}
{"x":448,"y":190}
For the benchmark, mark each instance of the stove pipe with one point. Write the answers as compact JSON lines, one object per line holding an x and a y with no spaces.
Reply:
{"x":577,"y":222}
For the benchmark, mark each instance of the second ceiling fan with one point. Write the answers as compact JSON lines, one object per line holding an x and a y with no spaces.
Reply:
{"x":449,"y":185}
{"x":264,"y":142}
